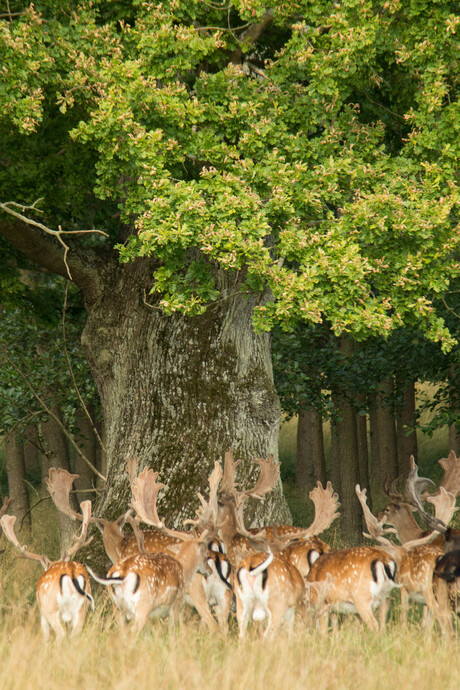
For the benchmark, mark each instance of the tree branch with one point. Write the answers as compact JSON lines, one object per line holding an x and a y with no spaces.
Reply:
{"x":46,"y":247}
{"x":250,"y":36}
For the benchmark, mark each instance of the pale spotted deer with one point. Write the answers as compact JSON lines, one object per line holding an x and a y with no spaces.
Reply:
{"x":147,"y":585}
{"x":64,"y":590}
{"x":267,"y":588}
{"x":359,"y":579}
{"x":119,"y":546}
{"x":415,"y":559}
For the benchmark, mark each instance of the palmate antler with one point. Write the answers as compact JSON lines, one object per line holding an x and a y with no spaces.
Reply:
{"x":59,"y":484}
{"x":207,"y":514}
{"x":326,"y":504}
{"x":8,"y":522}
{"x":443,"y":501}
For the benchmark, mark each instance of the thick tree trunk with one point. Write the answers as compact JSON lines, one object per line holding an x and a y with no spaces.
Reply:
{"x":384,"y":464}
{"x":86,"y":440}
{"x":406,"y":431}
{"x":178,"y":392}
{"x":17,"y":487}
{"x":311,"y":465}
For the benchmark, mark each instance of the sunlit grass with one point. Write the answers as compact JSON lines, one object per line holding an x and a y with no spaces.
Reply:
{"x":190,"y":657}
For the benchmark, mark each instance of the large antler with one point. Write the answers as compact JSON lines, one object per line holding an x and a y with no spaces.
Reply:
{"x":145,"y":489}
{"x":269,"y":474}
{"x":207,"y":514}
{"x":81,"y":540}
{"x":443,"y":501}
{"x":8,"y":522}
{"x":326,"y":504}
{"x":59,"y":484}
{"x":374,"y":526}
{"x":451,"y":479}
{"x":228,"y":485}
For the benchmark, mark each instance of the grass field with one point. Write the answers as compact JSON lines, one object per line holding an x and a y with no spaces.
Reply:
{"x":189,"y":657}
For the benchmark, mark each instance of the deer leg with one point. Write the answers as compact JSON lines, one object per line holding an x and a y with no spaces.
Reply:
{"x":78,"y":620}
{"x":365,"y":612}
{"x":404,"y":606}
{"x":197,"y":594}
{"x":242,"y":616}
{"x":54,"y":620}
{"x":223,"y":611}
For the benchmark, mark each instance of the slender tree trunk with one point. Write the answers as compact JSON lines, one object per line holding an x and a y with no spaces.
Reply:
{"x":87,"y":442}
{"x":17,"y":486}
{"x":363,"y":454}
{"x":347,"y":469}
{"x":56,"y":454}
{"x":31,"y":451}
{"x":178,"y":392}
{"x":454,"y":429}
{"x":384,"y":463}
{"x":406,"y":431}
{"x":311,"y":465}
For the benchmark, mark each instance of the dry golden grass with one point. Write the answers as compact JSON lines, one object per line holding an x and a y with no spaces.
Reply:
{"x":189,"y":657}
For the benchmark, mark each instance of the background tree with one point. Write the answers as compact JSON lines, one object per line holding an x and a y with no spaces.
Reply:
{"x":251,"y":167}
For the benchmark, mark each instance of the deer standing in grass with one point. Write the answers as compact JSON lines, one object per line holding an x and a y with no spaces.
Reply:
{"x":147,"y":585}
{"x":415,"y":559}
{"x":64,"y":590}
{"x":214,"y":584}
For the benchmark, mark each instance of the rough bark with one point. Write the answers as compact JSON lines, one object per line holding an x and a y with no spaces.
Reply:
{"x":311,"y":465}
{"x":384,"y":463}
{"x":86,"y":440}
{"x":176,"y":391}
{"x":406,"y":431}
{"x":17,"y":486}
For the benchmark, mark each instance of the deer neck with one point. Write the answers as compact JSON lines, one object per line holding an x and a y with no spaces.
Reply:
{"x":407,"y":527}
{"x":191,"y":555}
{"x":112,"y":539}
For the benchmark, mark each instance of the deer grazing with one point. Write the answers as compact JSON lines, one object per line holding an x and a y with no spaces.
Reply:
{"x":64,"y":590}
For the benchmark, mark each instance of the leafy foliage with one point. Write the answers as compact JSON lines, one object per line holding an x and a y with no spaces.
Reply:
{"x":308,"y":150}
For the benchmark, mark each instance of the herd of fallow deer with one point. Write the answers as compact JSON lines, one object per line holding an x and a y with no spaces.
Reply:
{"x":270,"y":573}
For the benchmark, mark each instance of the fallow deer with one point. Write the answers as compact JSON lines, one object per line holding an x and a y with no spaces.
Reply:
{"x":119,"y":546}
{"x":415,"y":559}
{"x":240,"y":541}
{"x":399,"y":513}
{"x":267,"y":587}
{"x":360,"y":580}
{"x":64,"y":590}
{"x":153,"y":584}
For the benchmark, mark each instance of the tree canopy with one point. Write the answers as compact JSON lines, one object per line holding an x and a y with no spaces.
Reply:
{"x":310,"y":149}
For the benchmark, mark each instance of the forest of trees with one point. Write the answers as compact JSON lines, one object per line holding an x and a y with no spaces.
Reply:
{"x":214,"y":214}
